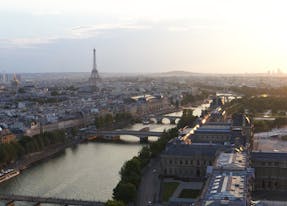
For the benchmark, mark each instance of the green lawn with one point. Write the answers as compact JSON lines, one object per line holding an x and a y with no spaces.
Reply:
{"x":189,"y":193}
{"x":168,"y":190}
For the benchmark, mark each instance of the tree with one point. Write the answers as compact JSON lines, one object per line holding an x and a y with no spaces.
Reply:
{"x":131,"y":171}
{"x":74,"y":131}
{"x":114,"y":203}
{"x":108,"y":120}
{"x":125,"y":192}
{"x":144,"y":156}
{"x":54,"y":93}
{"x":187,"y":119}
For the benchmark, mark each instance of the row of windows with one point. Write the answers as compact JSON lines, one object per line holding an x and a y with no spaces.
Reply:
{"x":190,"y":162}
{"x":272,"y":185}
{"x":271,"y":172}
{"x":183,"y":172}
{"x":275,"y":164}
{"x":213,"y":136}
{"x":212,"y":139}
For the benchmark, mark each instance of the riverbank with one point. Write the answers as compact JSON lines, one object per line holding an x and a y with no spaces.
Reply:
{"x":33,"y":158}
{"x":88,"y":170}
{"x":91,"y":167}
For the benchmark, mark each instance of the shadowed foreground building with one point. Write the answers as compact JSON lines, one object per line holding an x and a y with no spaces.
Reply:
{"x":238,"y":131}
{"x":217,"y":153}
{"x":230,"y":181}
{"x":271,"y":171}
{"x":189,"y":161}
{"x":269,"y":158}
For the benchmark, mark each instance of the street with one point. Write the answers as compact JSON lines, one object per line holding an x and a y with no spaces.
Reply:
{"x":150,"y":184}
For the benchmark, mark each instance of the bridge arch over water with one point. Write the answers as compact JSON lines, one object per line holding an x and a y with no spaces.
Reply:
{"x":164,"y":119}
{"x":142,"y":135}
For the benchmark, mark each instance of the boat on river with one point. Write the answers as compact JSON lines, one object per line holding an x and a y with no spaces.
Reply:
{"x":8,"y":174}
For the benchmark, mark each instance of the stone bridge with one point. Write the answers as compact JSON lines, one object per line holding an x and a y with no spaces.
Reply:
{"x":142,"y":135}
{"x":159,"y":118}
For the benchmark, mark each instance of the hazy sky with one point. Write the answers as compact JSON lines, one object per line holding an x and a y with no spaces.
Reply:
{"x":216,"y":36}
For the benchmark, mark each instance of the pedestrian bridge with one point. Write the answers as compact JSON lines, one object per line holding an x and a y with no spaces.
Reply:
{"x":50,"y":200}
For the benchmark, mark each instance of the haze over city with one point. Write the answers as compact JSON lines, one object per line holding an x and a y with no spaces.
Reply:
{"x":143,"y":103}
{"x":143,"y":36}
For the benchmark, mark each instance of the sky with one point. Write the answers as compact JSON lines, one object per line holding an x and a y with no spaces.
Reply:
{"x":132,"y":36}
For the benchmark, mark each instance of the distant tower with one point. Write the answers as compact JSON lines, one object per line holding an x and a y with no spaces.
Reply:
{"x":95,"y":77}
{"x":15,"y":82}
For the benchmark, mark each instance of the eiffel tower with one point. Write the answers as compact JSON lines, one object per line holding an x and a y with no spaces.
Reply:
{"x":95,"y":77}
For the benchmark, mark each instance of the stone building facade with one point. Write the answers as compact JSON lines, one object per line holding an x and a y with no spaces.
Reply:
{"x":188,"y":161}
{"x":270,"y":170}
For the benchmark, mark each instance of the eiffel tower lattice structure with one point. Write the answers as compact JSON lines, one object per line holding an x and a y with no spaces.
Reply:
{"x":95,"y":77}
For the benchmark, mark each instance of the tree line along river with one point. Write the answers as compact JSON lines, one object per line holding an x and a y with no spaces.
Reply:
{"x":87,"y":171}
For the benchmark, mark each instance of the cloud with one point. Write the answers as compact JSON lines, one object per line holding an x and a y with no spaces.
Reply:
{"x":178,"y":28}
{"x":93,"y":30}
{"x":26,"y":42}
{"x":79,"y":32}
{"x":46,"y":13}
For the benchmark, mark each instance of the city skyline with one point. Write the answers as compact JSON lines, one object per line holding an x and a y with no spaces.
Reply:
{"x":143,"y":37}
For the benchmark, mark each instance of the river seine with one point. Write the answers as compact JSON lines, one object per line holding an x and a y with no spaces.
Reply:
{"x":88,"y":171}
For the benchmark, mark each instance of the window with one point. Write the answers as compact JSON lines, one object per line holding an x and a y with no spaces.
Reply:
{"x":269,"y":184}
{"x":276,"y":164}
{"x":269,"y":163}
{"x":197,"y":172}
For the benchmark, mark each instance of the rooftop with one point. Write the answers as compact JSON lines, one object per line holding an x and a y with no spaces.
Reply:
{"x":193,"y":149}
{"x":214,"y":128}
{"x":231,"y":161}
{"x":228,"y":187}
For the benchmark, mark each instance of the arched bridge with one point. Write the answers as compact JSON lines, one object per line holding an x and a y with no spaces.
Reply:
{"x":143,"y":135}
{"x":50,"y":200}
{"x":159,"y":118}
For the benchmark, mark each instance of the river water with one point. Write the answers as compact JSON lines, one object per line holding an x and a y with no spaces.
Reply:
{"x":88,"y":171}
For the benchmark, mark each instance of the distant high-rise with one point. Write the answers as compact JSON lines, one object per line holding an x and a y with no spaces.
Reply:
{"x":3,"y":77}
{"x":15,"y":82}
{"x":95,"y":77}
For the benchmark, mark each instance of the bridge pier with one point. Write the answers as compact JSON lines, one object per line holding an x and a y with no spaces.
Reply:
{"x":10,"y":203}
{"x":143,"y":139}
{"x":159,"y":120}
{"x":172,"y":121}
